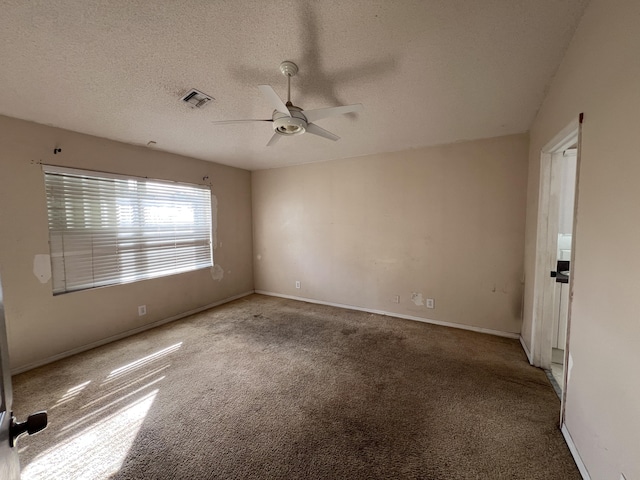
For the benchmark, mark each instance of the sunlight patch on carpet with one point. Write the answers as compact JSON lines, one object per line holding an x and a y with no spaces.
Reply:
{"x":97,"y":451}
{"x":71,"y":394}
{"x":144,"y":361}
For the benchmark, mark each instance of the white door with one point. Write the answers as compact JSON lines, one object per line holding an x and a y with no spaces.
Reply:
{"x":10,"y":430}
{"x":566,"y":170}
{"x":9,"y":466}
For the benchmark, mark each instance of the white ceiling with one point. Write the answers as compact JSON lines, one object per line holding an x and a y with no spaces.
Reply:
{"x":427,"y":72}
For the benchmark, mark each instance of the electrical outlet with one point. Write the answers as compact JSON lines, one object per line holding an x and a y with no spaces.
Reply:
{"x":431,"y":303}
{"x":142,"y":310}
{"x":297,"y":284}
{"x":396,"y":299}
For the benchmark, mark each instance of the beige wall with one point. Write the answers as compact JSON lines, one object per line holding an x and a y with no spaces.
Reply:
{"x":600,"y":76}
{"x":41,"y":325}
{"x":446,"y":222}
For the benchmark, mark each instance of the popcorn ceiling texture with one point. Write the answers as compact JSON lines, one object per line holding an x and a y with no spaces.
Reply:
{"x":429,"y":72}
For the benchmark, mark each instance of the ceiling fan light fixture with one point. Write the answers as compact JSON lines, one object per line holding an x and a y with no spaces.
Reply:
{"x":296,"y":124}
{"x":290,"y":129}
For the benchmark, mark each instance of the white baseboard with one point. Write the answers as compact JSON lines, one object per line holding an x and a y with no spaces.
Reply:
{"x":574,"y":452}
{"x":119,"y":336}
{"x":526,"y":350}
{"x":398,"y":315}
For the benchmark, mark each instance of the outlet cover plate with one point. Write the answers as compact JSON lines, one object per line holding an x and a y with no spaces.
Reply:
{"x":142,"y":310}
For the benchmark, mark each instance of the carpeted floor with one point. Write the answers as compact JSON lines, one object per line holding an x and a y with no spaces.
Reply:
{"x":268,"y":388}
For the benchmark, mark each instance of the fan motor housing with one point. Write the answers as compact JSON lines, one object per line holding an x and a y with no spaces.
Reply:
{"x":296,"y":124}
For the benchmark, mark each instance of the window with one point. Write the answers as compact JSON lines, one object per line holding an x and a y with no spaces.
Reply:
{"x":108,"y":229}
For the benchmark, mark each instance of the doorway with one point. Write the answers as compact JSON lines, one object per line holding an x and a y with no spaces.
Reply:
{"x":559,"y":172}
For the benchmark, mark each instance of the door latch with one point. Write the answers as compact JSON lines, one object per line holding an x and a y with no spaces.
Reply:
{"x":561,"y":273}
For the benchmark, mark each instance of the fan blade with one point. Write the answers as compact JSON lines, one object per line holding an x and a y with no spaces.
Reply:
{"x":274,"y":99}
{"x":321,"y":132}
{"x":229,"y":122}
{"x":319,"y":113}
{"x":274,"y":140}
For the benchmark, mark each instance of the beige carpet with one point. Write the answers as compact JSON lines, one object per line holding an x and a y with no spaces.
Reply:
{"x":271,"y":388}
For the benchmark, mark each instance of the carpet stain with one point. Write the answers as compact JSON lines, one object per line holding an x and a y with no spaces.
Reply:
{"x":265,"y":388}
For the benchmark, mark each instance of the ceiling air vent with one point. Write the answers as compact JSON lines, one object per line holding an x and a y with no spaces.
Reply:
{"x":196,"y":99}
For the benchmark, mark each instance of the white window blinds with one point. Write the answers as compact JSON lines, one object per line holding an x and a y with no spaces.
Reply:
{"x":107,"y":229}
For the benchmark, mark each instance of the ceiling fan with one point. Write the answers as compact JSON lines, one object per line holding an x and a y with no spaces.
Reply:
{"x":287,"y":119}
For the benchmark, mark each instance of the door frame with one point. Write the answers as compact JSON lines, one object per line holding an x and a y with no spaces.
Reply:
{"x":546,"y":247}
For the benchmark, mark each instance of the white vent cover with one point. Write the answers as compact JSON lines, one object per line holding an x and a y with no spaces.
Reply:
{"x":196,"y":99}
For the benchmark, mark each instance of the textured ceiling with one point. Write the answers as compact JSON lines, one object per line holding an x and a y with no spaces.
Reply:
{"x":427,"y":72}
